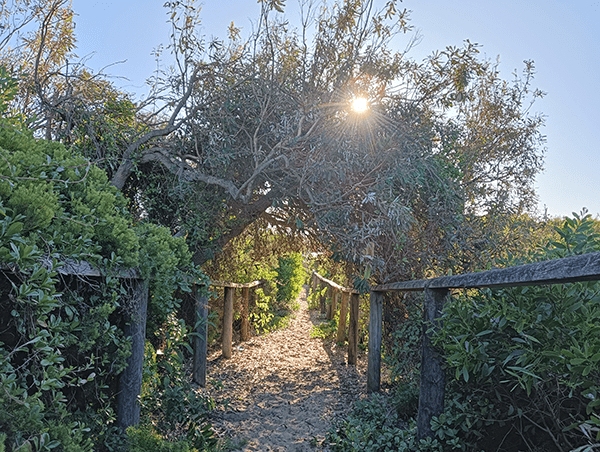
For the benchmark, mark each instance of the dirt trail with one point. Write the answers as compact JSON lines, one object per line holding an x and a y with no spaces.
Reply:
{"x":285,"y":388}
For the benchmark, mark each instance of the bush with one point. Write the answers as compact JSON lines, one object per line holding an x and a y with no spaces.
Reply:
{"x":61,"y":341}
{"x":372,"y":426}
{"x":145,"y":439}
{"x":526,"y":360}
{"x":171,"y":408}
{"x":290,"y":277}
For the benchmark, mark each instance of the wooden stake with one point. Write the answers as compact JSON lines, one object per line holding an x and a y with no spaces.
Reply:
{"x":200,"y":339}
{"x":375,"y":327}
{"x":244,"y":314}
{"x":130,"y":382}
{"x":341,"y":332}
{"x":433,"y":378}
{"x":227,"y":322}
{"x":353,"y":330}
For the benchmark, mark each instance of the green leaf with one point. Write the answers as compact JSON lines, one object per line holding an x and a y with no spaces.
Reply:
{"x":484,"y":333}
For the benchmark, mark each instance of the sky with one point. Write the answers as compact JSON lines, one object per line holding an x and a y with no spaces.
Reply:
{"x":562,"y":38}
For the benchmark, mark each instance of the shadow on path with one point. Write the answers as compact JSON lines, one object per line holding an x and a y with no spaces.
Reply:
{"x":285,"y":388}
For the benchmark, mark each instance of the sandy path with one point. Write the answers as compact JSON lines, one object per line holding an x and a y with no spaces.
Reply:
{"x":285,"y":388}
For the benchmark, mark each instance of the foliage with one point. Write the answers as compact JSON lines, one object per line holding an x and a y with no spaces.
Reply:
{"x":253,"y":256}
{"x":262,"y":315}
{"x":145,"y":438}
{"x":174,"y":414}
{"x":290,"y":278}
{"x":325,"y":330}
{"x":315,"y":297}
{"x":61,"y":342}
{"x":374,"y":425}
{"x":526,"y":360}
{"x":403,"y":354}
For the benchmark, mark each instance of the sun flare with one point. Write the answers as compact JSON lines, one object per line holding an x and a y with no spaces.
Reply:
{"x":360,"y":104}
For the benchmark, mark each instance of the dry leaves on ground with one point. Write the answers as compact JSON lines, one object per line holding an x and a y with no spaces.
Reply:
{"x":284,"y":388}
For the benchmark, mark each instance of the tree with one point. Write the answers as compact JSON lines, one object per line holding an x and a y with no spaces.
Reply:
{"x":263,"y":128}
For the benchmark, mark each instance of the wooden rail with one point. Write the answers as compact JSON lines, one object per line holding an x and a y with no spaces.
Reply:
{"x":346,"y":294}
{"x":585,"y":267}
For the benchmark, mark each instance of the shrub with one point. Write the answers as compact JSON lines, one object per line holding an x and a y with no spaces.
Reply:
{"x":372,"y":426}
{"x":61,"y":343}
{"x":290,"y":277}
{"x":526,"y":360}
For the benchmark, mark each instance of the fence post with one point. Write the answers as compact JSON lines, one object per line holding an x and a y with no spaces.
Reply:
{"x":341,"y":332}
{"x":330,"y":295}
{"x":314,"y":283}
{"x":227,"y":322}
{"x":375,"y":327}
{"x":322,"y":299}
{"x":353,"y":330}
{"x":200,"y":339}
{"x":433,"y":378}
{"x":335,"y":293}
{"x":130,"y":382}
{"x":244,"y":314}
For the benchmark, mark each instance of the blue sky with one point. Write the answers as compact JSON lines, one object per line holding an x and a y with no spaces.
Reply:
{"x":562,"y":38}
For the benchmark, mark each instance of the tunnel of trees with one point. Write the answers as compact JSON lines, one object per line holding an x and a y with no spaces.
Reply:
{"x":245,"y":155}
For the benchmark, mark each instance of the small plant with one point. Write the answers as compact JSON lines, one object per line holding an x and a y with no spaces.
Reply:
{"x":325,"y":330}
{"x":372,"y":426}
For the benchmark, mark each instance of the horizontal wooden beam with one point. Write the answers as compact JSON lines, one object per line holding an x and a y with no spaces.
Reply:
{"x":84,"y":268}
{"x":334,"y":285}
{"x":585,"y":267}
{"x":234,"y":285}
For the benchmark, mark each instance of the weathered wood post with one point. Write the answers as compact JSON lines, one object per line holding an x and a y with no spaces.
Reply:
{"x":335,"y":293}
{"x":314,"y":282}
{"x":322,"y":298}
{"x":200,"y":338}
{"x":353,"y":330}
{"x":375,"y":327}
{"x":227,"y":322}
{"x":130,"y":382}
{"x":244,"y":331}
{"x":341,"y":332}
{"x":433,"y":378}
{"x":330,"y":295}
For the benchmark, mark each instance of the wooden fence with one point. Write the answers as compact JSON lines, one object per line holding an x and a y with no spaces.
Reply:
{"x":130,"y":380}
{"x":199,"y":342}
{"x":585,"y":267}
{"x":437,"y":292}
{"x":336,"y":293}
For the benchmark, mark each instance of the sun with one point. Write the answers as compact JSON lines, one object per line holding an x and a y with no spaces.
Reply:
{"x":360,"y":104}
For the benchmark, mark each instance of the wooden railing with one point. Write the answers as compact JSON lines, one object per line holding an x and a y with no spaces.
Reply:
{"x":130,"y":380}
{"x":335,"y":292}
{"x":199,"y":342}
{"x":585,"y":267}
